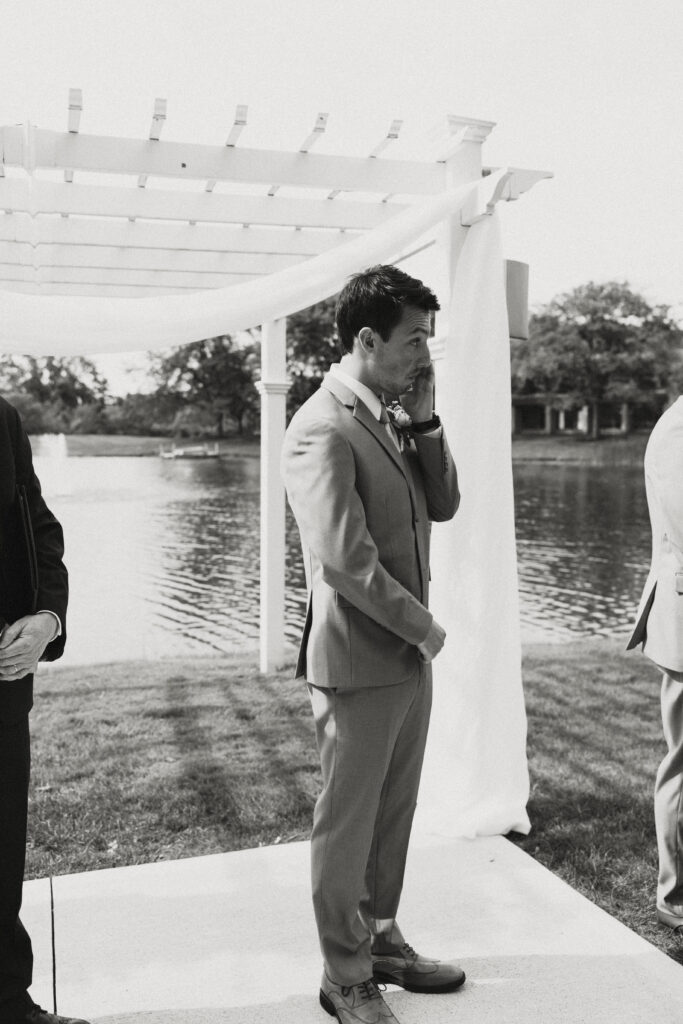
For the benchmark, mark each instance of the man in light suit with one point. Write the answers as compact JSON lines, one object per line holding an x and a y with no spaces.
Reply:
{"x":659,"y":628}
{"x":363,"y":497}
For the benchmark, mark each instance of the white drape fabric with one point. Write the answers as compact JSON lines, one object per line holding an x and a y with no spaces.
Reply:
{"x":70,"y":325}
{"x":475,"y":779}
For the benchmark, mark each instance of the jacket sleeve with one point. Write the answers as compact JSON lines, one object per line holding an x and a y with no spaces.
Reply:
{"x":439,"y":476}
{"x":46,"y":539}
{"x":664,"y":467}
{"x":319,"y":473}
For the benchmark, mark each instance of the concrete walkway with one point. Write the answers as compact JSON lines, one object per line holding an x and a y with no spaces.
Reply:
{"x":229,"y":939}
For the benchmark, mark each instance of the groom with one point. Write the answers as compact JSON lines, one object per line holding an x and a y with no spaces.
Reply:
{"x":363,"y":495}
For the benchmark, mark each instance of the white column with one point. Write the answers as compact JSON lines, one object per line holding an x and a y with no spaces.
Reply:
{"x":273,"y":387}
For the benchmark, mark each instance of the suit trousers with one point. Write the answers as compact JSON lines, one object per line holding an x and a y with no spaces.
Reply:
{"x":16,"y":957}
{"x":669,"y":804}
{"x":371,"y":743}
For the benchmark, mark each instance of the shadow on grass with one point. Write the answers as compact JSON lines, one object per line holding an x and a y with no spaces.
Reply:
{"x":247,"y":762}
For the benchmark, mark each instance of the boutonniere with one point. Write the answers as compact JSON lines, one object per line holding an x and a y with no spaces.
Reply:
{"x":402,"y":423}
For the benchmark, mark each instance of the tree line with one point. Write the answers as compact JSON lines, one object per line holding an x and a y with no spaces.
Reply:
{"x":600,"y":344}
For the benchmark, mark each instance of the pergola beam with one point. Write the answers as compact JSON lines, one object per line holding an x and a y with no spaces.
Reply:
{"x":190,"y":161}
{"x":108,"y":290}
{"x":210,"y":238}
{"x":108,"y":201}
{"x":123,"y":276}
{"x":120,"y":258}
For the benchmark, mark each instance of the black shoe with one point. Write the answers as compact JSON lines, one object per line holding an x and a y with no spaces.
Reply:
{"x":34,"y":1014}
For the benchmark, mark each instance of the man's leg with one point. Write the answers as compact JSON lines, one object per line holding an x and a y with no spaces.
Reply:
{"x":393,"y":824}
{"x":669,"y":805}
{"x":16,"y":958}
{"x":357,"y":731}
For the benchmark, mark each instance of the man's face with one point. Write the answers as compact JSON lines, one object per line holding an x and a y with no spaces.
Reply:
{"x":399,"y":359}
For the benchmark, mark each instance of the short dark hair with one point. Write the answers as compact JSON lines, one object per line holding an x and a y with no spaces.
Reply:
{"x":375,"y":298}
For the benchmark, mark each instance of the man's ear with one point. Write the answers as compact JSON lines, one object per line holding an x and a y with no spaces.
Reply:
{"x":366,"y":337}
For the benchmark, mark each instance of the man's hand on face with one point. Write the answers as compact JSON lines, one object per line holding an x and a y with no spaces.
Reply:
{"x":22,"y":644}
{"x":433,"y":642}
{"x":419,"y":401}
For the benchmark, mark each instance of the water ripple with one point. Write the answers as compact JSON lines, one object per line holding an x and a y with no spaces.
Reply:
{"x":165,"y":559}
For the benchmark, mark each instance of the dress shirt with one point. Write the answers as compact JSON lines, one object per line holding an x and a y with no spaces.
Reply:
{"x":373,"y":402}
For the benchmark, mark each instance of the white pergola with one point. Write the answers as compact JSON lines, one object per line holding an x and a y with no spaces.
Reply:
{"x":150,"y":225}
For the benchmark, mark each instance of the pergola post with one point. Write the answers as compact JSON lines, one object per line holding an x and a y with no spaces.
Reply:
{"x":273,"y":387}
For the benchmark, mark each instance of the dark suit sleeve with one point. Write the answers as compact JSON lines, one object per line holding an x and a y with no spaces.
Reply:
{"x":439,"y":477}
{"x":47,"y":539}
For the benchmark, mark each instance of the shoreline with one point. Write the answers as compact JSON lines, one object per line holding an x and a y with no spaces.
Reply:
{"x":532,"y":449}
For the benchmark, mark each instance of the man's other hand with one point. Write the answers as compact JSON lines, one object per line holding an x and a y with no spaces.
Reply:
{"x":22,"y":644}
{"x":433,"y":642}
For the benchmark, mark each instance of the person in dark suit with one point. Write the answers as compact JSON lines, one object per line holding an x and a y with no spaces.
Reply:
{"x":33,"y":600}
{"x":364,"y":496}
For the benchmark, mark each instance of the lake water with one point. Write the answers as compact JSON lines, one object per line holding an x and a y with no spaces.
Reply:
{"x":164,"y":555}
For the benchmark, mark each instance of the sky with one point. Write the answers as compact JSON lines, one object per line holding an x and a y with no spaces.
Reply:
{"x":591,"y":90}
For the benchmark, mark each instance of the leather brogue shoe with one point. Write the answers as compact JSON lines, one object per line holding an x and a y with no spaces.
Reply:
{"x":355,"y":1004}
{"x":34,"y":1014}
{"x":415,"y":973}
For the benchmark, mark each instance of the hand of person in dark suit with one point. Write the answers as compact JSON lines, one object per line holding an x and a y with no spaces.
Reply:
{"x":433,"y":642}
{"x":23,"y":643}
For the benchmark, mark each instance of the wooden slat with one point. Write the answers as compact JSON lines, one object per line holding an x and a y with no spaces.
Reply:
{"x":391,"y":136}
{"x":108,"y":201}
{"x":238,"y":127}
{"x":158,"y":121}
{"x":210,"y":238}
{"x":239,"y":124}
{"x":132,"y":278}
{"x":115,"y":257}
{"x":256,"y":166}
{"x":110,"y":290}
{"x":75,"y":110}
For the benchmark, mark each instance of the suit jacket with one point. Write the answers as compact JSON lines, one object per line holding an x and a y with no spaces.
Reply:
{"x":363,"y":511}
{"x":659,"y":624}
{"x":32,"y":574}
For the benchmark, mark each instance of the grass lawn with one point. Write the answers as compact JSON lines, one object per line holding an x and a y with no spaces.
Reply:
{"x":147,"y":761}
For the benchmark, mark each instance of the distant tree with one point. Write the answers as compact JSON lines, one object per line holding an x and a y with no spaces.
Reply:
{"x":69,"y":382}
{"x":600,"y":343}
{"x":311,"y":348}
{"x":214,"y":376}
{"x":142,"y":414}
{"x":54,"y":394}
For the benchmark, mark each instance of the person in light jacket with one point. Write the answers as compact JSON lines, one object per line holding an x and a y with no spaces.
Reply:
{"x":364,"y":495}
{"x":659,"y":628}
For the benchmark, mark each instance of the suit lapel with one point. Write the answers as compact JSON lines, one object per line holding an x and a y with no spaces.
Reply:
{"x":362,"y":414}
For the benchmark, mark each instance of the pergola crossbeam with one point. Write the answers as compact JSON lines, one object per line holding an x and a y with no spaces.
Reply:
{"x":155,"y":204}
{"x":190,"y":161}
{"x":115,"y":257}
{"x":204,"y":238}
{"x":105,"y":276}
{"x":208,"y":238}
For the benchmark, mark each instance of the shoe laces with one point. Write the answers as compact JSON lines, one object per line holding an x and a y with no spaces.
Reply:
{"x":367,"y":990}
{"x":408,"y":951}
